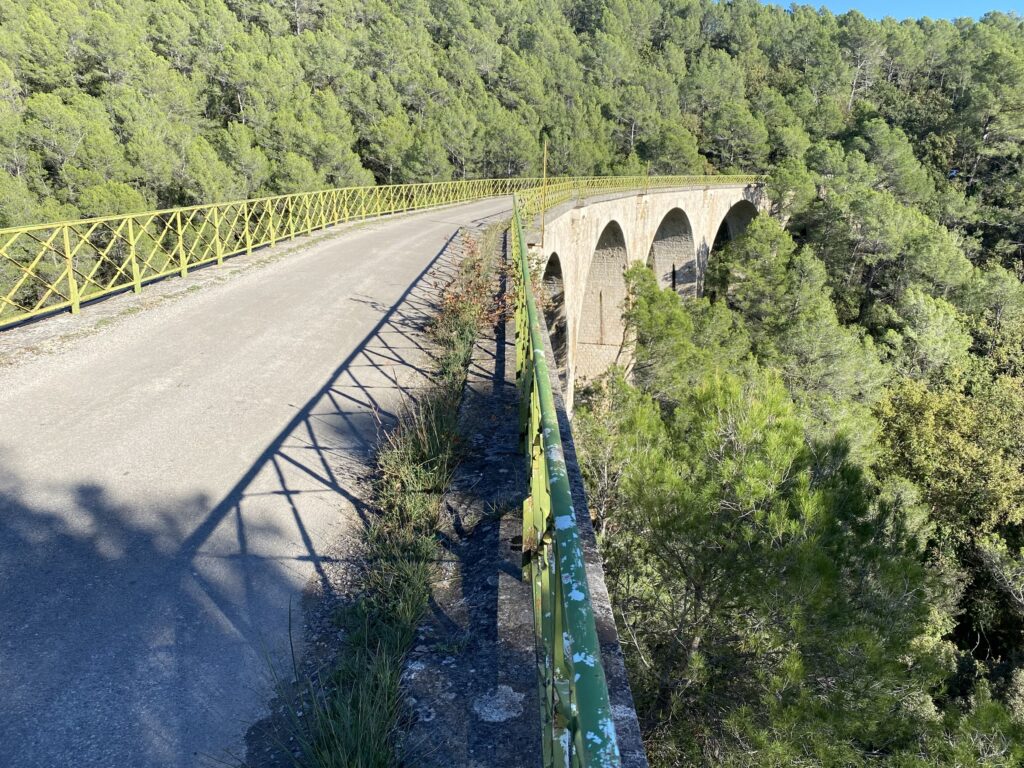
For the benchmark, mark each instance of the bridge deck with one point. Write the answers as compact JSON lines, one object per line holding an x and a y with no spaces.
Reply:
{"x":172,"y":485}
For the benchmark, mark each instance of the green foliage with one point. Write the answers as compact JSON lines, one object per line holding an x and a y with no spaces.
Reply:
{"x":783,"y":597}
{"x":875,"y":247}
{"x":994,"y":301}
{"x":933,"y":342}
{"x":781,"y":292}
{"x":675,"y":343}
{"x":966,"y":454}
{"x":111,"y":197}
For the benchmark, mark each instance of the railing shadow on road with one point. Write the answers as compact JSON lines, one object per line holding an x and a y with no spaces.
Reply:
{"x":112,"y":638}
{"x":80,"y":600}
{"x":313,"y":453}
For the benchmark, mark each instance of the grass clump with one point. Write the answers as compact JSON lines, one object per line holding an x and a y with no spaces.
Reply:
{"x":356,"y":713}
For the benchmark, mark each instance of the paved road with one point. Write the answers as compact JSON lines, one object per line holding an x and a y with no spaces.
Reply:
{"x":168,"y":488}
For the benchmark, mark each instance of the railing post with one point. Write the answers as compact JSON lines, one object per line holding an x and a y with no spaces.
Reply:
{"x":217,"y":243}
{"x":133,"y":259}
{"x":273,"y":229}
{"x":69,"y":263}
{"x":248,"y":230}
{"x":182,"y":258}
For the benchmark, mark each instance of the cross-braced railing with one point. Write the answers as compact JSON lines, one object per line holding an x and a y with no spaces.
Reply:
{"x":535,"y":198}
{"x":49,"y":267}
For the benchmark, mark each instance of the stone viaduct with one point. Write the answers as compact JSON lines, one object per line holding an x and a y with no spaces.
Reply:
{"x":587,"y":245}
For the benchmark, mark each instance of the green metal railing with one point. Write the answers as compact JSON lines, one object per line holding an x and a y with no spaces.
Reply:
{"x":50,"y":267}
{"x":577,"y":724}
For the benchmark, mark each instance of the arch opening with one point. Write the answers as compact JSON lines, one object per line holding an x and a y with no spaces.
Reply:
{"x":599,"y":339}
{"x":735,"y":221}
{"x":672,"y":256}
{"x":553,"y":304}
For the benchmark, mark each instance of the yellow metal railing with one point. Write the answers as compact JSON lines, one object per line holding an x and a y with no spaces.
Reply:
{"x":50,"y":267}
{"x":536,"y":198}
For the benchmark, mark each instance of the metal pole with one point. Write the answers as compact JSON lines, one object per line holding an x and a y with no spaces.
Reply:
{"x":248,"y":231}
{"x":273,"y":230}
{"x":543,"y":196}
{"x":217,"y":243}
{"x":69,"y":264}
{"x":182,"y":258}
{"x":133,"y":257}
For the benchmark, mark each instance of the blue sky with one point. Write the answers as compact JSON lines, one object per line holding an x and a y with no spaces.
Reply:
{"x":912,"y":9}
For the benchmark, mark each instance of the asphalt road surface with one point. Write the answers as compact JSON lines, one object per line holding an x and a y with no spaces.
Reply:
{"x":168,"y":487}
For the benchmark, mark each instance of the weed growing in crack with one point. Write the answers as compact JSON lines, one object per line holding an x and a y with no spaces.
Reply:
{"x":354,"y":715}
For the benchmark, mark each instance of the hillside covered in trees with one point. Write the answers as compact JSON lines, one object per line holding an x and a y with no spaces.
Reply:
{"x":811,"y":488}
{"x":810,"y":481}
{"x":114,"y":105}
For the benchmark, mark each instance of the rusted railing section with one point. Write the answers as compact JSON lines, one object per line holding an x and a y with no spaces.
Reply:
{"x":577,"y":724}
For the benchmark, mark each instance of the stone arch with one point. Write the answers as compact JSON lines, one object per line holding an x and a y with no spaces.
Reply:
{"x":735,"y":221}
{"x":601,"y":330}
{"x":672,"y":255}
{"x":553,"y":303}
